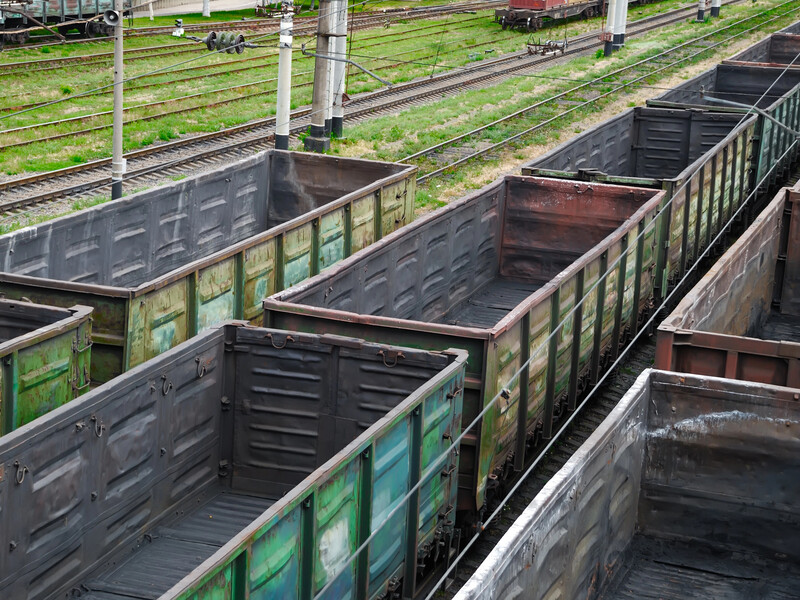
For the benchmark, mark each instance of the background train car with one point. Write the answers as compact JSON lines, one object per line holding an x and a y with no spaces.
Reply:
{"x":775,"y":91}
{"x":494,"y":273}
{"x":778,"y":50}
{"x":742,"y":320}
{"x":689,"y":489}
{"x":17,"y":19}
{"x":701,"y":159}
{"x":246,"y":459}
{"x":45,"y":357}
{"x":530,"y":15}
{"x":162,"y":265}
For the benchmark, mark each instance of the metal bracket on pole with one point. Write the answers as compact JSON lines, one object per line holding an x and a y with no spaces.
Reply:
{"x":346,"y":60}
{"x":755,"y":109}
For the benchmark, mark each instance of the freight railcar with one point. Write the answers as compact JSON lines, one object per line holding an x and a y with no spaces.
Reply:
{"x":775,"y":91}
{"x":162,"y":265}
{"x":742,"y":320}
{"x":689,"y":489}
{"x":530,"y":15}
{"x":18,"y":19}
{"x":460,"y":282}
{"x":700,"y":159}
{"x":243,"y":463}
{"x":45,"y":358}
{"x":494,"y":273}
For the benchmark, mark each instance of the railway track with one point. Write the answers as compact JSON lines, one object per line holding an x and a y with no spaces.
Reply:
{"x":437,"y":160}
{"x":258,"y":26}
{"x":150,"y":165}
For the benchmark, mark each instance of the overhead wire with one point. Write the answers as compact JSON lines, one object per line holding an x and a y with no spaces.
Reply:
{"x":437,"y":462}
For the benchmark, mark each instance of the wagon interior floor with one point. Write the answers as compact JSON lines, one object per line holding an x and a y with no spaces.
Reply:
{"x":488,"y":304}
{"x":669,"y":570}
{"x":781,"y":328}
{"x":173,"y":550}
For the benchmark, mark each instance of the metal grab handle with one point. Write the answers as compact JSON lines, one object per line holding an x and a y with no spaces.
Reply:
{"x":201,"y":367}
{"x":21,"y":470}
{"x":276,"y":346}
{"x":395,"y":358}
{"x":98,"y":426}
{"x":166,"y":386}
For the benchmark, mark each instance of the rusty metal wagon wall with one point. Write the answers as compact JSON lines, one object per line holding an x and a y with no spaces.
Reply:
{"x":702,"y":161}
{"x":773,"y":90}
{"x":162,"y":265}
{"x":742,"y":320}
{"x":45,"y":357}
{"x":778,"y":49}
{"x":658,"y":502}
{"x":494,"y":273}
{"x":246,"y":459}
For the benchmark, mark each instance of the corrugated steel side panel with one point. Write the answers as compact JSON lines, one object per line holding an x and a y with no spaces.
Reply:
{"x":162,"y":265}
{"x":46,"y":357}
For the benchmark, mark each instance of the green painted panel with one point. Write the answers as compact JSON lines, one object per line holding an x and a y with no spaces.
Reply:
{"x":394,"y":207}
{"x":363,"y":218}
{"x":538,"y":366}
{"x":676,"y":233}
{"x":611,"y":295}
{"x":216,"y":298}
{"x":591,"y":277}
{"x":331,"y":239}
{"x":165,"y":319}
{"x":437,"y":429}
{"x":502,"y":418}
{"x":630,"y":280}
{"x":390,"y":485}
{"x":259,"y":277}
{"x":219,"y":587}
{"x":45,"y":374}
{"x":275,"y":559}
{"x":297,"y":250}
{"x":337,"y":531}
{"x":564,"y":336}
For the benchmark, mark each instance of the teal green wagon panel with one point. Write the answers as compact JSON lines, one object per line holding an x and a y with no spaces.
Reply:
{"x":336,"y":532}
{"x":332,"y":234}
{"x":390,"y":485}
{"x":275,"y":559}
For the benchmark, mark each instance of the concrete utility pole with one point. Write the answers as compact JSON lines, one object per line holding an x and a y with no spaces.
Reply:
{"x":206,"y":8}
{"x":337,"y":126}
{"x":284,"y":77}
{"x":701,"y":10}
{"x":333,"y":17}
{"x":608,"y":34}
{"x":715,"y":6}
{"x":620,"y":20}
{"x":117,"y":162}
{"x":317,"y":141}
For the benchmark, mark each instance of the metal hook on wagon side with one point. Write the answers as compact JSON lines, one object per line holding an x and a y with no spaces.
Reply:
{"x":392,"y":356}
{"x":201,"y":367}
{"x":166,"y":386}
{"x":21,"y":470}
{"x":288,"y":339}
{"x":98,"y":426}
